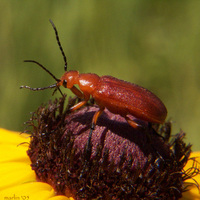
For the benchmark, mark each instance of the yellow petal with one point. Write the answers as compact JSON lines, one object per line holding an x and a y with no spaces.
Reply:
{"x":18,"y":180}
{"x":12,"y":152}
{"x":28,"y":191}
{"x":11,"y":147}
{"x":61,"y":197}
{"x":193,"y":193}
{"x":12,"y":137}
{"x":14,"y":173}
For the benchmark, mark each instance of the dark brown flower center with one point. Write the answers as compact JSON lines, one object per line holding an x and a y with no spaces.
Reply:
{"x":123,"y":163}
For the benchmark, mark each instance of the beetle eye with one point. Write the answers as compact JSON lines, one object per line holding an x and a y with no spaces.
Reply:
{"x":64,"y":83}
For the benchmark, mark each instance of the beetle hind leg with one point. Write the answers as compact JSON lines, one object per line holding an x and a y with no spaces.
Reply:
{"x":133,"y":123}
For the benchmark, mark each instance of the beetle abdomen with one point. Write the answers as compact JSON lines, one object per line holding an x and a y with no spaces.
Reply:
{"x":125,"y":98}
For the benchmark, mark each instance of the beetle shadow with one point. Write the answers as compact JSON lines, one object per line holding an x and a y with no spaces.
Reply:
{"x":145,"y":138}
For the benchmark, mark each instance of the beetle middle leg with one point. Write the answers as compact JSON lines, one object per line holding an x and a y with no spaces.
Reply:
{"x":78,"y":105}
{"x":94,"y":121}
{"x":88,"y":147}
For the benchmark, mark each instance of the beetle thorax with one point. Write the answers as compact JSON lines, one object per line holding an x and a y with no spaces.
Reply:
{"x":88,"y":82}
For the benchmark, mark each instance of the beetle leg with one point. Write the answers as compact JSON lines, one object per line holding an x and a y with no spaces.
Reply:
{"x":94,"y":121}
{"x":77,"y":92}
{"x":132,"y":123}
{"x":96,"y":115}
{"x":78,"y":105}
{"x":88,"y":147}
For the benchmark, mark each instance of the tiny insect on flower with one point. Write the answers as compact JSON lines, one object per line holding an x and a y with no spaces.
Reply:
{"x":118,"y":96}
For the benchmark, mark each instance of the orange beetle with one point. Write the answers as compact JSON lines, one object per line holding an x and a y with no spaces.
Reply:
{"x":118,"y":96}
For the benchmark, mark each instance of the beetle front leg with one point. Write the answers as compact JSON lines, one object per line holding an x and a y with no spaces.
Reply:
{"x":79,"y":94}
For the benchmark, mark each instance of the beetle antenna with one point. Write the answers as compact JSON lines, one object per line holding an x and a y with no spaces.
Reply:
{"x":44,"y":88}
{"x":57,"y":80}
{"x":36,"y":89}
{"x":59,"y":44}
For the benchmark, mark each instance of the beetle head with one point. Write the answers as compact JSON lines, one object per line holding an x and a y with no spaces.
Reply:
{"x":68,"y":79}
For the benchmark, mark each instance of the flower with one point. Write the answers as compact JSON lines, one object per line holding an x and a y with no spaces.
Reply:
{"x":116,"y":163}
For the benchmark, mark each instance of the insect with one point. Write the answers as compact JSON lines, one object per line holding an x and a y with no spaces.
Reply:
{"x":118,"y":96}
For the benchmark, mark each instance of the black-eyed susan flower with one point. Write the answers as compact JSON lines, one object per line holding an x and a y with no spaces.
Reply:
{"x":120,"y":163}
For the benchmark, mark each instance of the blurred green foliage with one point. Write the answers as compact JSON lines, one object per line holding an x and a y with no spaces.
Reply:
{"x":155,"y":44}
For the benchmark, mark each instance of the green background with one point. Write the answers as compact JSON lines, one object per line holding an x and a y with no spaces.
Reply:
{"x":155,"y":44}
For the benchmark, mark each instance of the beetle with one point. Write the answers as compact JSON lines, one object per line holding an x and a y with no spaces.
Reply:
{"x":118,"y":96}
